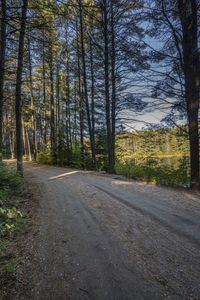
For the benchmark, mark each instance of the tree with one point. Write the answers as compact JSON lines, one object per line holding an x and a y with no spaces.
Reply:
{"x":85,"y":85}
{"x":191,"y":68}
{"x":176,"y":72}
{"x":2,"y":70}
{"x":18,"y":94}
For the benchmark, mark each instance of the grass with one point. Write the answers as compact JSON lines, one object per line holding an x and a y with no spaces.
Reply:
{"x":11,"y":265}
{"x":12,"y":220}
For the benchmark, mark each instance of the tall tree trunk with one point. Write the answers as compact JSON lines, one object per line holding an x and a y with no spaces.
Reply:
{"x":44,"y":94}
{"x":67,"y":114}
{"x":12,"y":144}
{"x":2,"y":67}
{"x":33,"y":117}
{"x":113,"y":80}
{"x":68,"y":102}
{"x":92,"y":142}
{"x":53,"y":137}
{"x":75,"y":115}
{"x":81,"y":107}
{"x":18,"y":99}
{"x":107,"y":85}
{"x":188,"y":17}
{"x":25,"y":152}
{"x":58,"y":101}
{"x":27,"y":149}
{"x":28,"y":144}
{"x":92,"y":90}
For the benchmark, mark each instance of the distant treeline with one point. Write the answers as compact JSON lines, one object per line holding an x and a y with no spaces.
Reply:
{"x":152,"y":143}
{"x":160,"y":156}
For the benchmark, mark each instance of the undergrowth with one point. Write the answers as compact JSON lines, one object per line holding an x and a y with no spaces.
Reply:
{"x":150,"y":171}
{"x":161,"y":175}
{"x":12,"y":221}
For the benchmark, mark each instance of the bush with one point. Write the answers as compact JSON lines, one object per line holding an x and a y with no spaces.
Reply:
{"x":45,"y":157}
{"x":10,"y":183}
{"x":10,"y":220}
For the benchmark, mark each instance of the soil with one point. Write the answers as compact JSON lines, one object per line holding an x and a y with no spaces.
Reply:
{"x":103,"y":237}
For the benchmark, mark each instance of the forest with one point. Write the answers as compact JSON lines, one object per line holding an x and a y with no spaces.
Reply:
{"x":76,"y":76}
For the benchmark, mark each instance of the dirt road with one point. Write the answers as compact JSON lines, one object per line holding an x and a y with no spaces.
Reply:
{"x":98,"y":237}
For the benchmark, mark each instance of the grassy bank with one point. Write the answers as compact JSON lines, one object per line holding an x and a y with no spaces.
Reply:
{"x":13,"y":223}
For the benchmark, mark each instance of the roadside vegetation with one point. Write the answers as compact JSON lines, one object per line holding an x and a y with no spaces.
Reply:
{"x":13,"y":223}
{"x":155,"y":174}
{"x":159,"y":156}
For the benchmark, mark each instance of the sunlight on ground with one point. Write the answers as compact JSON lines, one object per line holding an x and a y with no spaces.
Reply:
{"x":138,"y":183}
{"x":118,"y":182}
{"x":63,"y":175}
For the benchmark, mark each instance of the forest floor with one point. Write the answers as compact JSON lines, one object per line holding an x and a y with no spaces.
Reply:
{"x":97,"y":237}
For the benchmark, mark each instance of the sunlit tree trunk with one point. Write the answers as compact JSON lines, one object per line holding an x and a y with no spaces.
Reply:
{"x":85,"y":84}
{"x":52,"y":104}
{"x":33,"y":115}
{"x":18,"y":96}
{"x":81,"y":106}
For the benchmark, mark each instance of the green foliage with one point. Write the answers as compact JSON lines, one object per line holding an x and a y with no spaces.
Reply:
{"x":45,"y":157}
{"x":159,"y":156}
{"x":10,"y":220}
{"x":161,"y":175}
{"x":76,"y":157}
{"x":11,"y":266}
{"x":12,"y":223}
{"x":11,"y":183}
{"x":5,"y":244}
{"x":151,"y":143}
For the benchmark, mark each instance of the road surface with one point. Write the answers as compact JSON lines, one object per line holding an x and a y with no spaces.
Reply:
{"x":99,"y":237}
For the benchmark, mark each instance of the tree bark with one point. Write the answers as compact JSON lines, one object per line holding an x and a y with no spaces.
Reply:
{"x":113,"y":80}
{"x":85,"y":86}
{"x":44,"y":94}
{"x":191,"y":67}
{"x":2,"y":69}
{"x":18,"y":98}
{"x":53,"y":137}
{"x":33,"y":116}
{"x":107,"y":85}
{"x":92,"y":91}
{"x":81,"y":108}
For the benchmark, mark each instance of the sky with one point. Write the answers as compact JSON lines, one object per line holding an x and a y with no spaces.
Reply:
{"x":139,"y":121}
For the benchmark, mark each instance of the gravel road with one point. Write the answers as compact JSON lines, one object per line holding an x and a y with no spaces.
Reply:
{"x":100,"y":237}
